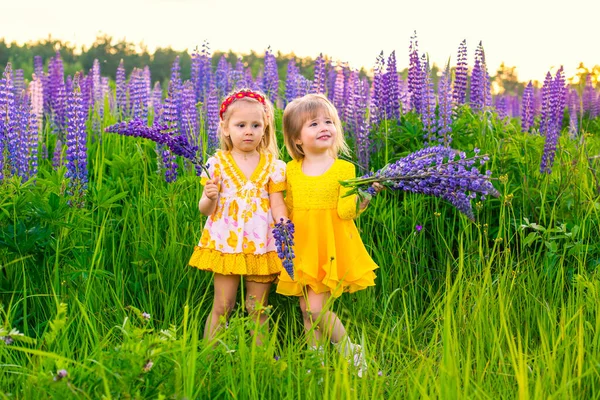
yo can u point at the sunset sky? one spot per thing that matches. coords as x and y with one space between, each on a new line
529 34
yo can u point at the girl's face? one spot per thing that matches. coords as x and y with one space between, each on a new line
245 126
318 134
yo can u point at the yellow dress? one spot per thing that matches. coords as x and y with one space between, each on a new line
329 253
237 238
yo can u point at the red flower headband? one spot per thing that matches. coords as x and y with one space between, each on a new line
239 95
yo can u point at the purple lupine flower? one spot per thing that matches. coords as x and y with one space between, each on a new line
377 106
237 75
77 173
361 124
404 94
444 121
528 108
428 107
156 98
338 90
201 71
573 113
189 114
36 96
291 81
138 95
438 171
222 76
57 92
283 233
57 155
415 76
460 79
304 86
348 109
588 97
270 83
501 106
60 374
121 88
392 103
318 84
212 121
9 121
480 95
553 119
161 134
170 118
18 83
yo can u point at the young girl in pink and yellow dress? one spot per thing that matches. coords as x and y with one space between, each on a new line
241 197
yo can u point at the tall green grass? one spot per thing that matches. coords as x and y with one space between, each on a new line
503 307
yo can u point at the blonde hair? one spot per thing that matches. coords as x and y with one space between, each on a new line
268 143
301 110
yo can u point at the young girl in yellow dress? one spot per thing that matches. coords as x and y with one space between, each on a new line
330 257
241 197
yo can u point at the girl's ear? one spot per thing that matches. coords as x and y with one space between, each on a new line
223 128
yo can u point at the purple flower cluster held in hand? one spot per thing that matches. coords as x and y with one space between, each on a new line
159 133
283 232
438 171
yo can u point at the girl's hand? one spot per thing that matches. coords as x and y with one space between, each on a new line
211 190
378 188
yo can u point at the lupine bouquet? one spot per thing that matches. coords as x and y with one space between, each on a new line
284 240
161 134
438 171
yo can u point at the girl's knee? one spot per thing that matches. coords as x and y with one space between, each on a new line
223 309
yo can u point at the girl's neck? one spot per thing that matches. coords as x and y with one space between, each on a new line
245 155
316 164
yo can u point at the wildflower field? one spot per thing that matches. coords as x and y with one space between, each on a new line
96 229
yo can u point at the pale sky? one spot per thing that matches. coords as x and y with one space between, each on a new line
533 35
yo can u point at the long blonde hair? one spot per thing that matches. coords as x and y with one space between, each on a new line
301 110
268 144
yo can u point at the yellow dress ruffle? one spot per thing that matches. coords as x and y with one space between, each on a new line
329 253
257 265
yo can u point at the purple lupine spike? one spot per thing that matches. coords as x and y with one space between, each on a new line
501 106
33 136
222 76
415 76
428 103
21 164
283 233
212 121
69 84
528 111
201 72
554 113
57 156
392 90
121 89
348 89
330 73
404 95
170 117
97 100
546 113
477 96
377 106
459 92
589 97
237 76
291 81
573 114
156 98
38 66
77 173
18 83
189 114
318 84
338 90
445 99
361 124
437 171
57 92
304 86
270 83
349 105
36 98
9 123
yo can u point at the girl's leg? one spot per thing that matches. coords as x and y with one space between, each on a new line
257 296
223 302
318 320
